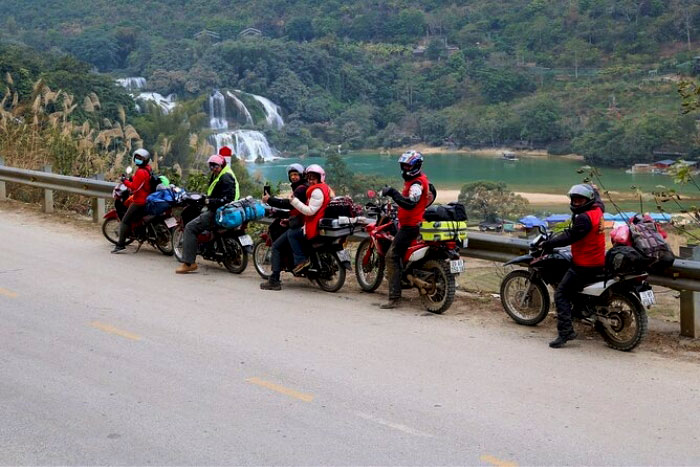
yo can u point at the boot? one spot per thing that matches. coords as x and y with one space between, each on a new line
271 285
391 304
184 268
562 339
118 248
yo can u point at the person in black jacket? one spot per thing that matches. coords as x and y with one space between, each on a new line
223 188
295 173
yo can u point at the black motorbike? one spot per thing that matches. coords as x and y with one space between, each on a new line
229 247
615 305
329 259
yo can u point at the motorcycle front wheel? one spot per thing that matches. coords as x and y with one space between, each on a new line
440 298
627 322
235 256
369 276
176 239
332 273
262 259
110 229
525 301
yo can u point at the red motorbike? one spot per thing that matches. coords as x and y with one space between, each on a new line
156 230
429 266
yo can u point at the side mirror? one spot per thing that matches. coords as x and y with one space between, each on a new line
129 170
542 230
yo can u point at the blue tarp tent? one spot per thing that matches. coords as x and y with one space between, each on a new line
532 221
622 217
557 218
660 216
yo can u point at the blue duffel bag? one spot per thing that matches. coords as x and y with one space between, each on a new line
159 201
233 215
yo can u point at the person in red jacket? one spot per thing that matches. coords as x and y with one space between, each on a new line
140 186
586 235
412 202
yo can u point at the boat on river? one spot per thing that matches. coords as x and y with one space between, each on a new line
509 156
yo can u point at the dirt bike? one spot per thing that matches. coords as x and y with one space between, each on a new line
156 230
229 247
429 266
614 305
329 259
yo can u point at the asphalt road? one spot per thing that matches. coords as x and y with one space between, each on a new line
114 359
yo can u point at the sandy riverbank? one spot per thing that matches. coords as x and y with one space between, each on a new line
445 196
491 152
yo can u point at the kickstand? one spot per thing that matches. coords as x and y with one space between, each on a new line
138 247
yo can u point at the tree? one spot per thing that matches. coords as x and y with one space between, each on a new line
484 199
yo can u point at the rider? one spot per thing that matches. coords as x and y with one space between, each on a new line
223 188
412 202
295 173
586 235
318 195
140 186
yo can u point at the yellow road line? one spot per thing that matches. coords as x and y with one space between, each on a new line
8 293
281 389
497 462
115 331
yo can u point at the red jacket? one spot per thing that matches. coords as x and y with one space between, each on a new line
413 217
140 185
311 222
590 251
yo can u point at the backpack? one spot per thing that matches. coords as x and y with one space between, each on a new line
159 201
153 181
650 243
448 212
341 206
623 259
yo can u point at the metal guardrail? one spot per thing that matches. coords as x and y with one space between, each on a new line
683 276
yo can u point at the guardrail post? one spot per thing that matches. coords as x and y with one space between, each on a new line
48 194
690 301
98 204
3 189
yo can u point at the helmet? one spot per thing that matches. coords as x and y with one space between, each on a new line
217 159
415 160
582 190
141 155
298 168
317 169
225 151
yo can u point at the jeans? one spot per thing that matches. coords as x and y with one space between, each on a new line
279 246
403 239
573 282
132 214
196 226
297 241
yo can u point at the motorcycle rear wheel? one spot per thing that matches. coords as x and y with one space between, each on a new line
262 259
369 277
163 238
235 257
443 293
629 322
332 275
526 309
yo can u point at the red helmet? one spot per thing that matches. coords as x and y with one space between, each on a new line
217 159
225 151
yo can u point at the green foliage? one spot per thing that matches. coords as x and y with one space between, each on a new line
484 199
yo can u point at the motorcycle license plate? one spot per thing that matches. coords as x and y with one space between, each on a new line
343 256
456 266
648 298
170 222
245 240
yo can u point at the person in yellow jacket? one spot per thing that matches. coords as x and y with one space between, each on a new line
223 188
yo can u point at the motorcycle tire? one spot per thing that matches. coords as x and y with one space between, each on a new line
110 229
176 238
330 263
624 310
370 277
236 257
443 294
526 310
262 259
163 238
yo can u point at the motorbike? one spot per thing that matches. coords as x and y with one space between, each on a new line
229 247
329 258
429 266
614 305
156 230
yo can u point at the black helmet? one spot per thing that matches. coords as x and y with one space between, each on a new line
585 191
143 156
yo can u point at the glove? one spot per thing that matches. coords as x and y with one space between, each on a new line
387 190
122 178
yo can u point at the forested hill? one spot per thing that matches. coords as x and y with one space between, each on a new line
594 76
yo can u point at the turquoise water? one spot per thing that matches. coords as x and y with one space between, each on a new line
451 171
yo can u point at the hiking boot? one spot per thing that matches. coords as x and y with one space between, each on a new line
271 285
118 248
301 266
391 304
184 268
562 339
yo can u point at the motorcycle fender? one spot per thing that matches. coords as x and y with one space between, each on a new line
111 215
524 260
598 288
418 254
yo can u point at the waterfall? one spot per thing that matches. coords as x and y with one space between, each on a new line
165 103
217 111
131 83
241 108
248 145
272 111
